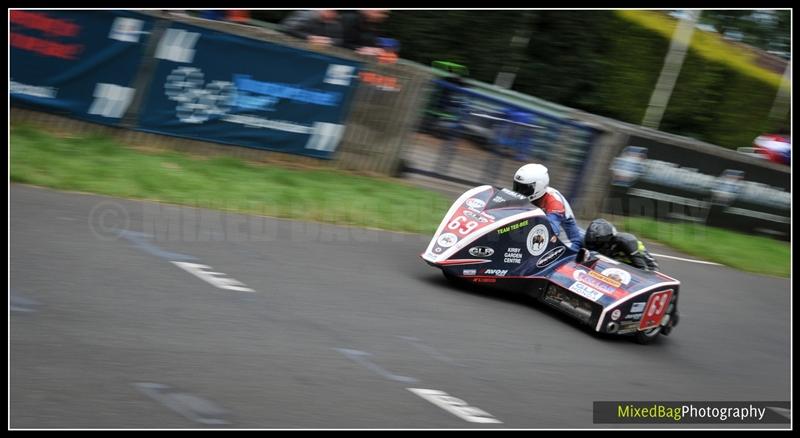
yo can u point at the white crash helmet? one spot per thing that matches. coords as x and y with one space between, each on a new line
532 181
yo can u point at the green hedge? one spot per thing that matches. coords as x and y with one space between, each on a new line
721 95
604 62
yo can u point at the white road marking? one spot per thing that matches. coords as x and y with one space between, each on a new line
190 406
455 406
702 262
216 279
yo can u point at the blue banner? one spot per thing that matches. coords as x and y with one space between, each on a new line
77 63
218 87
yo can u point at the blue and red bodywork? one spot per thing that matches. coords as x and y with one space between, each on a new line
496 237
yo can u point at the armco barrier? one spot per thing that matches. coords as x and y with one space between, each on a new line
644 172
216 82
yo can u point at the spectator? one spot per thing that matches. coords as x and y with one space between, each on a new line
320 27
360 30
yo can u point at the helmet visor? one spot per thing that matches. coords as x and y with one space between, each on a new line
523 189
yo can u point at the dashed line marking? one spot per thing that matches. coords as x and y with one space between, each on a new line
194 408
216 279
455 406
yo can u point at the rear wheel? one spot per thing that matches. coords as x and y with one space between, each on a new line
647 336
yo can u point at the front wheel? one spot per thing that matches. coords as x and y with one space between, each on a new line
449 276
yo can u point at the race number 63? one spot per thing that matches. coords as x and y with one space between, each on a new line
655 309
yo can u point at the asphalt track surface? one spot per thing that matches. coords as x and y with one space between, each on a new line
107 332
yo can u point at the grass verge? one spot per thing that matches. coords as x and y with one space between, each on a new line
98 164
738 250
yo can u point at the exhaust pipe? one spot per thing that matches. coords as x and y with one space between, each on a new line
612 327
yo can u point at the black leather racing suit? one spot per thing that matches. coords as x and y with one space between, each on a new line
626 248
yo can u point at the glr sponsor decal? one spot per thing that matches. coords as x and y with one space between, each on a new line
470 271
586 291
537 239
481 251
447 240
550 257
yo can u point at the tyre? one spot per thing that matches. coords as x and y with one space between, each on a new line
648 336
450 277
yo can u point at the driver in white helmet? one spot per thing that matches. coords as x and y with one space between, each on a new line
533 181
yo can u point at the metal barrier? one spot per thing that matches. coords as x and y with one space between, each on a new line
483 140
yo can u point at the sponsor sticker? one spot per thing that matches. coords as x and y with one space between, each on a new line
617 274
481 251
496 272
513 255
633 316
447 240
583 277
513 227
616 314
586 291
550 257
538 239
637 307
513 194
605 279
475 204
470 271
472 215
